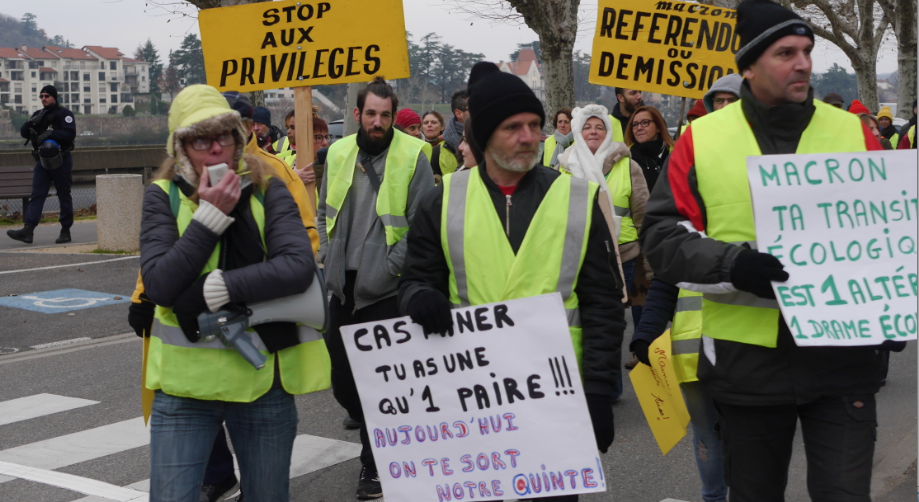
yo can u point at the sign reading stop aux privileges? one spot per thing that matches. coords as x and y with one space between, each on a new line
272 45
674 48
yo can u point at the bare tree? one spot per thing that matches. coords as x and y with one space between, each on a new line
556 24
903 13
857 27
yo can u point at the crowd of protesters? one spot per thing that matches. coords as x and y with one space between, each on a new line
262 231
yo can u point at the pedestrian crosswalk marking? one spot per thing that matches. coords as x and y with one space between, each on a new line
38 405
79 447
88 486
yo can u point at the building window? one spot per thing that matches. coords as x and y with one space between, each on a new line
113 87
102 64
143 78
101 75
52 64
113 65
101 88
75 75
86 77
114 98
86 88
34 88
33 74
102 100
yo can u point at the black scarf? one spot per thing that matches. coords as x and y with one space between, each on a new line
888 132
651 156
777 128
374 148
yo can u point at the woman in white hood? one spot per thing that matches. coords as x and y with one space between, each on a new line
596 157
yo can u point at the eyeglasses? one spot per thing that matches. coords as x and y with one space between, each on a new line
201 144
320 137
641 124
723 101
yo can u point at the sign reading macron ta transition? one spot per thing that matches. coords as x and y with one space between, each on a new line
273 45
674 48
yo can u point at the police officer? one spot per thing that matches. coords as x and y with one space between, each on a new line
51 131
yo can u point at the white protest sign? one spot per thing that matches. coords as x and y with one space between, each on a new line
844 225
494 412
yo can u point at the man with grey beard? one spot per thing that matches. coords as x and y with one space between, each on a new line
542 218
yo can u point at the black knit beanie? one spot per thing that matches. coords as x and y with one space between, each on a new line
239 102
762 22
493 97
50 90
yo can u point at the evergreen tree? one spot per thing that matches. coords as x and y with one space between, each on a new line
189 61
147 52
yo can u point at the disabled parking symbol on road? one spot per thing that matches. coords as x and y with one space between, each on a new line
62 300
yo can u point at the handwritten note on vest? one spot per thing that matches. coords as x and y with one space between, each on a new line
493 411
659 394
844 226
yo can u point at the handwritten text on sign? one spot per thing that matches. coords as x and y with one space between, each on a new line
289 44
494 411
844 226
675 48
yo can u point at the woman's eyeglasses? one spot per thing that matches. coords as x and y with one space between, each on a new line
201 144
641 124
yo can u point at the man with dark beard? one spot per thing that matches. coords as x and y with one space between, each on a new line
629 100
371 187
542 217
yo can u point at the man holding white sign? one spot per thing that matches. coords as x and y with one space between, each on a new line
510 228
699 234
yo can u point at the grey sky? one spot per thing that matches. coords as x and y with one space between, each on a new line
125 23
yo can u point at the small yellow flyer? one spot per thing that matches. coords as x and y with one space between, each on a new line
659 394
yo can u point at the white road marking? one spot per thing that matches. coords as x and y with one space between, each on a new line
59 343
70 265
26 408
79 447
74 483
310 454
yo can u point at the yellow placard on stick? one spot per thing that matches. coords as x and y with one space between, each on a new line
675 48
659 395
272 45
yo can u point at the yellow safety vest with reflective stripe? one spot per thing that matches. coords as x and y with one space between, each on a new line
912 137
722 142
447 160
281 145
685 334
397 175
617 129
619 183
895 140
482 263
213 372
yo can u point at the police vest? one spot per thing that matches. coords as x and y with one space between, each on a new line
619 183
685 334
393 195
618 135
722 141
213 372
482 263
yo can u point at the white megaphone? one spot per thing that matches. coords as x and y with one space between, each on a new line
310 309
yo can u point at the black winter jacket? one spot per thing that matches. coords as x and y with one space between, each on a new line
598 288
63 128
170 265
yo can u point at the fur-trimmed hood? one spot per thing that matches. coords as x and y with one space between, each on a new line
200 110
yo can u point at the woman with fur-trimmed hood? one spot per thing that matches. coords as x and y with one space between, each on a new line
204 249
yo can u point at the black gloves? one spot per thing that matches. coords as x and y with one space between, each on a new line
140 316
752 272
432 311
640 348
601 414
188 306
36 120
45 136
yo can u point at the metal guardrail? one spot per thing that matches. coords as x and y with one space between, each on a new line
93 161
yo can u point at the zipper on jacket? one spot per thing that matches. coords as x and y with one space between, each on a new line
507 217
614 270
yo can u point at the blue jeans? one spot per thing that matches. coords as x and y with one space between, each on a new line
707 446
628 270
182 434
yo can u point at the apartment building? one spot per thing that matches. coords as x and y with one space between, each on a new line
528 69
91 80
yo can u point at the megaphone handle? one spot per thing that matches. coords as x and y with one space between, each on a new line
235 334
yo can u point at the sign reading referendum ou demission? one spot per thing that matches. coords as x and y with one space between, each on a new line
674 48
493 411
844 225
273 45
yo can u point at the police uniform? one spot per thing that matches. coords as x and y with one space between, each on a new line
54 123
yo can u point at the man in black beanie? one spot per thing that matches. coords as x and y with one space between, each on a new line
698 232
51 131
528 200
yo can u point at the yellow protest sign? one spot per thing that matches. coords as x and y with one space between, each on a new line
675 48
659 395
293 43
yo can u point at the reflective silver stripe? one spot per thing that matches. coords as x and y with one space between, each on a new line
330 212
574 317
689 304
456 223
574 236
622 211
394 221
742 299
308 334
690 346
174 336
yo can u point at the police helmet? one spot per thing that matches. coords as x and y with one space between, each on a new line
49 153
